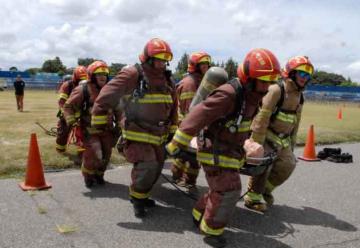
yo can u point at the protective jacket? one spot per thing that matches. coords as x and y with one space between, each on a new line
276 126
279 124
185 92
221 146
149 110
149 105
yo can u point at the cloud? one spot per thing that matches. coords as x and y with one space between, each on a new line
117 30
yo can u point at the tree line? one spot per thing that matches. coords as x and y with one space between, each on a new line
56 66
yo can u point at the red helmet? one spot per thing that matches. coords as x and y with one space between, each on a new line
298 63
156 48
260 64
79 74
197 58
97 67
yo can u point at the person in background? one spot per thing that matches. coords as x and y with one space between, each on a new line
185 173
63 130
19 86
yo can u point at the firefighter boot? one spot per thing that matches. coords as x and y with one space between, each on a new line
148 203
268 198
139 207
100 179
216 241
253 201
89 181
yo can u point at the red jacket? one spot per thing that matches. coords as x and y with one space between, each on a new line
148 119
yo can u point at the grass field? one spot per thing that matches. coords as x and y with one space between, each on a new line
41 106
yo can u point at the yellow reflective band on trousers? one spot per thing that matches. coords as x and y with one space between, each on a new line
173 128
60 147
98 119
188 170
196 214
144 137
269 187
254 197
288 118
224 161
283 142
155 98
178 163
138 195
182 137
244 127
181 116
70 119
186 95
206 229
63 96
87 171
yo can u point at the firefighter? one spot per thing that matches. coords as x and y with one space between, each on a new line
149 115
220 150
63 130
97 143
185 172
275 127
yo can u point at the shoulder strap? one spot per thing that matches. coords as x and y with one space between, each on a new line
142 86
239 94
86 101
281 100
302 99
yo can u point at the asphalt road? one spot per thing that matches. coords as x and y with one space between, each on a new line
319 206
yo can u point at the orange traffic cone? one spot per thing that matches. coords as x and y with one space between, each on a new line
309 150
34 171
339 116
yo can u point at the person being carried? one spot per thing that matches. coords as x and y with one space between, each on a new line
275 127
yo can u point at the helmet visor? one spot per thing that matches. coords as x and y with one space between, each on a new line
163 56
305 68
102 70
205 59
269 78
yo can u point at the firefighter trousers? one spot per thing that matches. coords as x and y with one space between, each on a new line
97 153
20 102
62 135
276 174
185 170
214 209
148 161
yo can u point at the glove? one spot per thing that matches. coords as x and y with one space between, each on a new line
172 148
253 150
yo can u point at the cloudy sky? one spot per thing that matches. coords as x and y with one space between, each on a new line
32 31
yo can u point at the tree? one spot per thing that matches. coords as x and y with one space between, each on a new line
13 68
85 61
181 67
115 68
325 78
231 68
33 71
53 66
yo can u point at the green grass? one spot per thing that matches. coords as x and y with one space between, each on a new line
16 127
328 129
41 106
